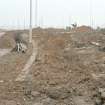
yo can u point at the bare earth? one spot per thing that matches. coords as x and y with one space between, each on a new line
68 69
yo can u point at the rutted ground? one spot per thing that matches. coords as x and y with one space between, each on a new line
24 73
68 70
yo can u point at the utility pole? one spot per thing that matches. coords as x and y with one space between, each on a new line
41 22
36 12
24 24
30 32
91 14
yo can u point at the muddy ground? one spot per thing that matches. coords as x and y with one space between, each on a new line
69 70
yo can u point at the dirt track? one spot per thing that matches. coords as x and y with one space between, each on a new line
24 73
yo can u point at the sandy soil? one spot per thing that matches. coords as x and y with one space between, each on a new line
68 70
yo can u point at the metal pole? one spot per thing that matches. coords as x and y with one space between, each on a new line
24 23
36 13
30 33
91 14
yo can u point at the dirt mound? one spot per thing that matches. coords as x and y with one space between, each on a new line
7 40
83 29
62 66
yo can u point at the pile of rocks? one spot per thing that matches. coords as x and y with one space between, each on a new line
21 42
99 98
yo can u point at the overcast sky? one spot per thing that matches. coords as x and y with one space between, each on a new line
53 13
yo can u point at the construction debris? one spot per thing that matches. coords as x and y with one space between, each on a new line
20 47
21 43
